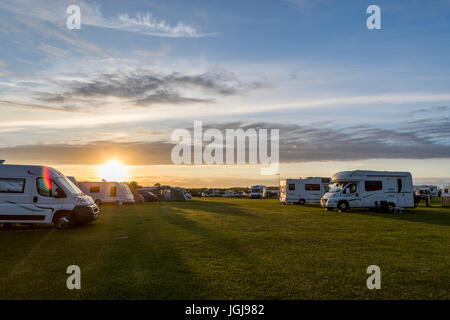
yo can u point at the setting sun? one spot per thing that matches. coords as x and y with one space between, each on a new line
113 171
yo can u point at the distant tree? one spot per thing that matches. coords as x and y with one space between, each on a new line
157 184
134 186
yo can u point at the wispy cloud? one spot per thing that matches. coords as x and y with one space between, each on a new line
146 23
142 22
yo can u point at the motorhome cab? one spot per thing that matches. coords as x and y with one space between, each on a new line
302 191
108 192
370 189
39 194
258 192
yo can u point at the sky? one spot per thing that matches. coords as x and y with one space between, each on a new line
343 97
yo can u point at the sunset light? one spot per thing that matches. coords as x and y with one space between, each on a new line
113 171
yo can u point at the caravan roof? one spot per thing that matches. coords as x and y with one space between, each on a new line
359 174
17 169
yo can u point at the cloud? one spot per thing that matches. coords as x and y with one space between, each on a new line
146 23
15 104
145 87
52 50
324 142
430 109
143 22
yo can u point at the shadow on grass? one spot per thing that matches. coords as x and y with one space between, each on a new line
217 207
431 215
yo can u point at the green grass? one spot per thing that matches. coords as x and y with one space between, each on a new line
232 249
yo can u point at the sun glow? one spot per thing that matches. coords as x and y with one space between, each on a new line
113 171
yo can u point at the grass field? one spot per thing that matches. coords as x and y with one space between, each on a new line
232 249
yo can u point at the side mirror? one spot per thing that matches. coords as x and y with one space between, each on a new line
59 194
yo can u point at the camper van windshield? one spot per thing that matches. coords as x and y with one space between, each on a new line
69 186
256 189
337 187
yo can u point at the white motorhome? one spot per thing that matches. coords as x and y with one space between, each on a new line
107 192
301 191
370 189
42 195
258 192
434 191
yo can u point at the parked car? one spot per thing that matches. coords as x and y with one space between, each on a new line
148 196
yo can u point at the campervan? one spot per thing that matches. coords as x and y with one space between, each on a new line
42 195
107 192
301 191
434 191
370 189
212 193
258 192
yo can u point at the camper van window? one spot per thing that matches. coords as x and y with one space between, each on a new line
48 188
69 185
326 188
399 185
312 187
373 185
12 185
291 186
113 191
337 187
351 188
94 189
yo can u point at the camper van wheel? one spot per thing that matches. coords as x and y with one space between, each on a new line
301 202
343 206
64 220
98 202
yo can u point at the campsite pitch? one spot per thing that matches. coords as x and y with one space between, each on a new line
232 249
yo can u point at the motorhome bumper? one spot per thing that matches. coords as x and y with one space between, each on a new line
328 203
86 213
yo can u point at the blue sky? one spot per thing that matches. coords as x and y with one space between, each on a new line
138 69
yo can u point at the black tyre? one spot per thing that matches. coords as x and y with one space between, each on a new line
301 202
343 206
98 202
64 220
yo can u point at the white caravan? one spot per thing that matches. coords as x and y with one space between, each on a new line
108 192
302 191
39 194
258 192
370 189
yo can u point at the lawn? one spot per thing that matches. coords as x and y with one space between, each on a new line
232 249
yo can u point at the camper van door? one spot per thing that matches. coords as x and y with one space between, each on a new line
47 192
352 194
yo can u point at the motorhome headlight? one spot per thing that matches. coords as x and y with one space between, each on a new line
83 201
